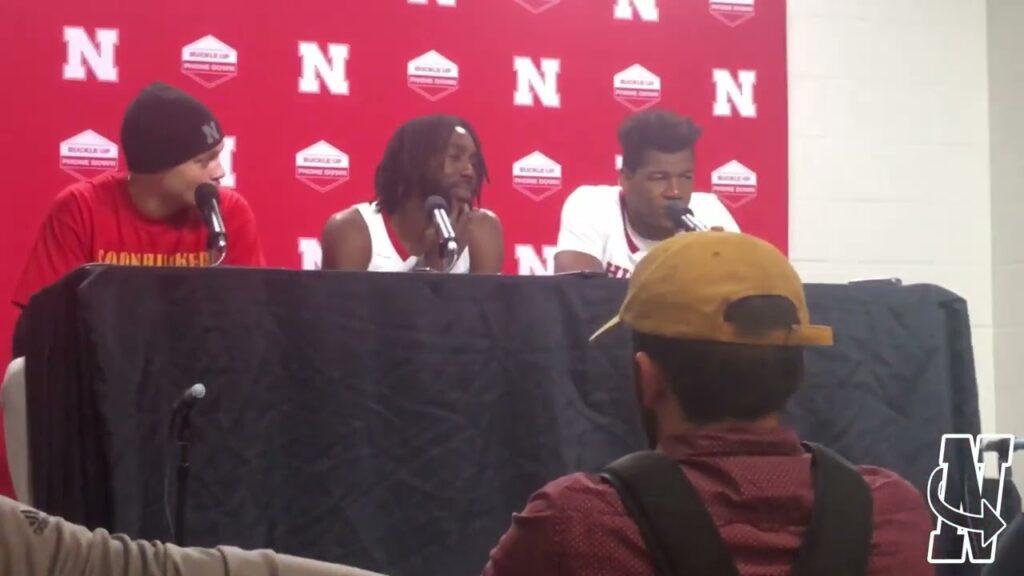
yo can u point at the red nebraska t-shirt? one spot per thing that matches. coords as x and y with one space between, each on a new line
95 222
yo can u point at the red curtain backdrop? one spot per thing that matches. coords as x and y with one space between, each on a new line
310 91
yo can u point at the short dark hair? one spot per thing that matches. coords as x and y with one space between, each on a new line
658 130
410 155
718 381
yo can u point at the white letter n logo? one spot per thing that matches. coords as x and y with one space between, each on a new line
648 10
332 69
738 93
99 55
966 518
543 83
211 132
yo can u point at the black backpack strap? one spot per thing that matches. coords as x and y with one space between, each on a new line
680 534
682 537
838 539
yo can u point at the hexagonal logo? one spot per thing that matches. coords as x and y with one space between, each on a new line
537 6
322 167
637 88
732 12
734 183
433 76
537 176
88 154
209 61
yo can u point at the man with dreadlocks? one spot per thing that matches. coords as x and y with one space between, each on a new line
431 155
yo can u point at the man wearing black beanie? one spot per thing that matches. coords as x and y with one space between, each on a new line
147 216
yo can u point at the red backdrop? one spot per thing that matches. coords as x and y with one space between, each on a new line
310 91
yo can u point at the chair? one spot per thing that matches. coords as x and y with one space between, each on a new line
1009 560
12 397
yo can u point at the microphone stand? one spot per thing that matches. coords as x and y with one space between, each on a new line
183 437
181 431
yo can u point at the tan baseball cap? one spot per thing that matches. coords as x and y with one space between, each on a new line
683 286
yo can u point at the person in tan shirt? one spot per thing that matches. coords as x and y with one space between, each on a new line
35 544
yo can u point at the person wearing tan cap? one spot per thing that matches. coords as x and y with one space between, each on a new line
35 544
719 323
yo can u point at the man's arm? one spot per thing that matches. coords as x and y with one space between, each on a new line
346 242
579 240
710 211
36 544
61 245
486 243
531 546
574 525
573 261
902 526
244 248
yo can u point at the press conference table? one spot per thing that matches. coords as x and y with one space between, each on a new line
395 421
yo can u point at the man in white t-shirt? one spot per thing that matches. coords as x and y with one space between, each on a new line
611 228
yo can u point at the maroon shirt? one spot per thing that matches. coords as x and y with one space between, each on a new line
758 487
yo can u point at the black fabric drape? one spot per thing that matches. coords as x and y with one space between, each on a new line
66 432
395 421
901 374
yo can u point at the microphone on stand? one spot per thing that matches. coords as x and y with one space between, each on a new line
448 246
182 435
189 398
682 217
208 202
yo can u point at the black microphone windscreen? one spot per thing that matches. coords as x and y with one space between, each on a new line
206 194
676 209
435 203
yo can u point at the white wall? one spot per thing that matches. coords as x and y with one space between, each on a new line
1006 124
889 152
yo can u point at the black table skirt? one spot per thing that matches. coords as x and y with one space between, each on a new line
395 421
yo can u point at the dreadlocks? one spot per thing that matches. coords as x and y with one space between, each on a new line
411 158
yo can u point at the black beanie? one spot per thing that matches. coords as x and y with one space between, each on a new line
164 127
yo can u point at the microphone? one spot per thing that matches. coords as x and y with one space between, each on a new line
437 207
208 202
682 217
189 397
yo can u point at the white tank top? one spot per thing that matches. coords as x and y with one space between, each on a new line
387 253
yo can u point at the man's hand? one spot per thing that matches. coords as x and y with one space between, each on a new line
460 220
